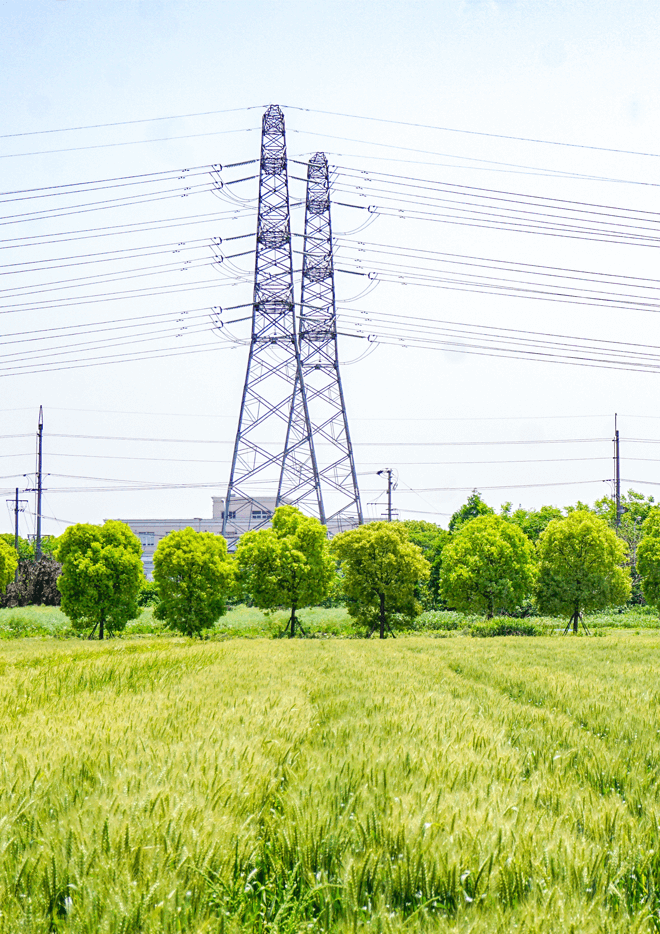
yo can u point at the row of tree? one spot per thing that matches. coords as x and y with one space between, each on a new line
385 573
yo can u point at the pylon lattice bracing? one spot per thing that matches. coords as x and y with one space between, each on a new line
325 472
274 361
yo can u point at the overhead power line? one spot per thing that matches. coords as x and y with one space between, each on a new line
132 142
446 129
99 126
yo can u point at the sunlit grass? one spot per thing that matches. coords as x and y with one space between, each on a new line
467 785
249 622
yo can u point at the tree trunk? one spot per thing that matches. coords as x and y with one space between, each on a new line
292 622
101 626
382 615
576 618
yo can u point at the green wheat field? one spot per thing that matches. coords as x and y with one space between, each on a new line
155 784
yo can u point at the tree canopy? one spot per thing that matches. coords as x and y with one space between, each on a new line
382 569
101 575
487 566
533 521
424 534
193 575
288 565
648 557
26 548
474 507
580 560
635 507
8 564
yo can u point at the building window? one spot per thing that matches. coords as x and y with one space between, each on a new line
230 515
261 514
146 539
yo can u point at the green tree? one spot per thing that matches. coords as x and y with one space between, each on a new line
427 535
26 547
101 576
422 533
648 557
288 565
487 566
635 507
382 569
8 564
474 507
434 557
193 575
533 522
580 560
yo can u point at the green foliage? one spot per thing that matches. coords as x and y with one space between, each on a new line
474 507
434 557
648 557
580 560
487 566
382 569
101 576
8 564
288 565
635 507
578 507
148 594
193 575
428 536
505 627
534 522
421 533
26 548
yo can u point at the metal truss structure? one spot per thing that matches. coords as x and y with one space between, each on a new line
274 366
326 474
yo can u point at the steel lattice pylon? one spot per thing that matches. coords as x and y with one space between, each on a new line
273 368
318 398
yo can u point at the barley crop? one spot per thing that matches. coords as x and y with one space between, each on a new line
463 785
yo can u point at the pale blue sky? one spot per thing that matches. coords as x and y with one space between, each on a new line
573 72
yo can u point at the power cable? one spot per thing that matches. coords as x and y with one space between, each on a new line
445 129
133 142
100 126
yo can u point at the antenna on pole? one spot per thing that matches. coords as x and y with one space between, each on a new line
274 361
617 474
40 440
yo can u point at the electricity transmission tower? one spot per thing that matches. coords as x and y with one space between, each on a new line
274 362
318 409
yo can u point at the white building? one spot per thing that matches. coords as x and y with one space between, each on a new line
244 514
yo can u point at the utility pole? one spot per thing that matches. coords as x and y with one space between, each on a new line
617 474
40 440
18 506
388 471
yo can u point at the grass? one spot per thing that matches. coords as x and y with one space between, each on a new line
319 622
423 784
